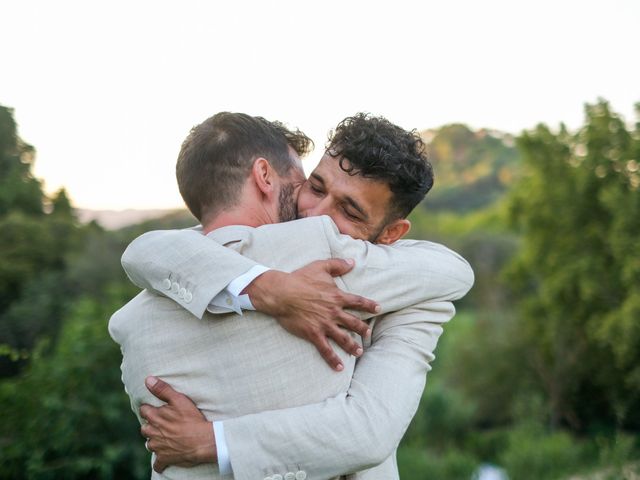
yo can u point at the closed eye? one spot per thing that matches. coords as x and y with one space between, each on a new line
350 215
316 190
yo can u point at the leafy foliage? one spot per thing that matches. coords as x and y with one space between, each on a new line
34 247
19 190
543 379
578 272
65 416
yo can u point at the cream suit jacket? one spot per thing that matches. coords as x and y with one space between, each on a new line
272 369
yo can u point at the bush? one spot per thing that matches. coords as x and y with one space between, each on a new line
67 415
417 464
533 454
443 419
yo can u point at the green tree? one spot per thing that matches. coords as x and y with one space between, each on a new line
66 415
578 272
19 190
34 248
61 205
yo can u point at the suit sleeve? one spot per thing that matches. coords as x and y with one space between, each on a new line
183 265
354 431
400 275
192 269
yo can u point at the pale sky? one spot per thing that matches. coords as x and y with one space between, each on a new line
107 90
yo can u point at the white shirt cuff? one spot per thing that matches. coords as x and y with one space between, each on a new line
224 462
225 301
240 283
230 299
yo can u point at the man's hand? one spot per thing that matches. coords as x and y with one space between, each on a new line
308 304
178 433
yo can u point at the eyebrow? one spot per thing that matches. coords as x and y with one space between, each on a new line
346 198
317 177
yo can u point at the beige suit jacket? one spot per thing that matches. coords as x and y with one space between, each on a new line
234 366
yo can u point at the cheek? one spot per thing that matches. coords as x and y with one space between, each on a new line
306 201
311 205
346 227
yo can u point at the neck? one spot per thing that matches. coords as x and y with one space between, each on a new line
249 216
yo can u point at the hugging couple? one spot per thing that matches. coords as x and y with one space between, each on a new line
288 337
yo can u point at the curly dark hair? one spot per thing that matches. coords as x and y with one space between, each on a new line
376 148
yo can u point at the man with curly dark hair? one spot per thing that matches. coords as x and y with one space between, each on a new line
383 174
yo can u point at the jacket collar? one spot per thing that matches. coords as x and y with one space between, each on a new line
230 234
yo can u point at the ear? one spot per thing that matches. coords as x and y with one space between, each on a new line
394 231
263 176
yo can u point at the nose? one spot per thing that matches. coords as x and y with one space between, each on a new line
323 207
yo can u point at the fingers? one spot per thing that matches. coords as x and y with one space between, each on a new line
337 266
356 302
147 430
162 390
327 352
345 341
149 413
159 466
151 444
353 323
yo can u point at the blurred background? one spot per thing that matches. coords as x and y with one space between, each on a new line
531 116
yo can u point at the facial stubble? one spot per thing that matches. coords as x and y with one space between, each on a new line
287 207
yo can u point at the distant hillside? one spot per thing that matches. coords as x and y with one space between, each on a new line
174 219
115 219
472 169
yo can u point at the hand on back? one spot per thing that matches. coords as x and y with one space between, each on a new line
177 432
309 305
